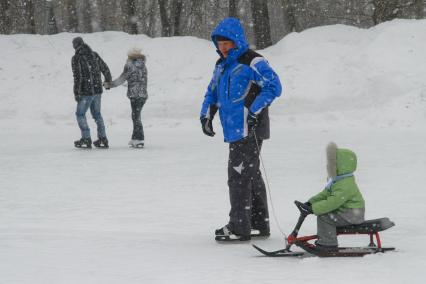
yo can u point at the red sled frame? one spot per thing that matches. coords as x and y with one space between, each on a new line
291 239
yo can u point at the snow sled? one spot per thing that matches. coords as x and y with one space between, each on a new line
369 227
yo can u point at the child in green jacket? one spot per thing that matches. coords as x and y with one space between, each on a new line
341 202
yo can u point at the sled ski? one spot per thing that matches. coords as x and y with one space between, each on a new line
341 251
311 249
279 253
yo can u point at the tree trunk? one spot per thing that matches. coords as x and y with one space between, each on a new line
288 16
197 17
51 20
20 16
385 10
420 6
95 16
165 20
31 16
177 9
132 17
152 17
232 10
71 12
262 28
83 15
4 17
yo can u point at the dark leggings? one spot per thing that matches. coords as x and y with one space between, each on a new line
137 104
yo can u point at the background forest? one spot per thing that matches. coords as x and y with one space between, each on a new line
266 22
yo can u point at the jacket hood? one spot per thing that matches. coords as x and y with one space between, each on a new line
137 56
135 53
84 49
231 28
340 161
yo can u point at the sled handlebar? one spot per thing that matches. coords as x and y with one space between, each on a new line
292 237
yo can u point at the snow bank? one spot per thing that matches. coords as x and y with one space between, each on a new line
354 76
332 76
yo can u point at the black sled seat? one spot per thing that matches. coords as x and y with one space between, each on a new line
368 227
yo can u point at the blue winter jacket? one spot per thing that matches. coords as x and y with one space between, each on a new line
241 82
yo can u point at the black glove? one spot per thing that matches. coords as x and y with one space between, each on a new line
77 98
251 122
207 126
304 208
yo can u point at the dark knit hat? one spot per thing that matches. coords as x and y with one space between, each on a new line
222 38
77 42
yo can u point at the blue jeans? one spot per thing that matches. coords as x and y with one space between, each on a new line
94 103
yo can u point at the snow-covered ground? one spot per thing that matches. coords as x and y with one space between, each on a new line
148 215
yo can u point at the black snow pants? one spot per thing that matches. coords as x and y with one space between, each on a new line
137 104
247 192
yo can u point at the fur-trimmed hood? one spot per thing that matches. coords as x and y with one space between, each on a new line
340 161
136 53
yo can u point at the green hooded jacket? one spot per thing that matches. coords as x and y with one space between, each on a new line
343 193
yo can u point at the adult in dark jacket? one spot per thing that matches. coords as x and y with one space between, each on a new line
136 75
87 67
242 88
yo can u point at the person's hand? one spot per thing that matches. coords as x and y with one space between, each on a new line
304 208
77 98
107 85
251 122
207 126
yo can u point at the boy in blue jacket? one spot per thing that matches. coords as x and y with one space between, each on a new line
242 88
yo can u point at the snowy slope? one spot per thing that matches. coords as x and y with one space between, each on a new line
148 216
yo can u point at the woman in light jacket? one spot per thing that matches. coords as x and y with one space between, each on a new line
136 75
